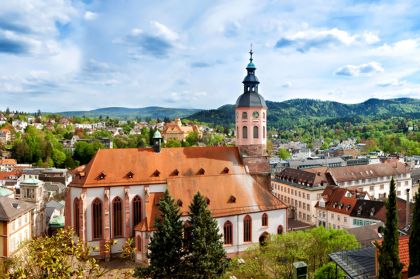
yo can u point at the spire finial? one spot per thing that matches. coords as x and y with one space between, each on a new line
250 53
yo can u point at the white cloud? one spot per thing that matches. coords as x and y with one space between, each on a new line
90 15
370 38
164 31
392 83
313 38
357 70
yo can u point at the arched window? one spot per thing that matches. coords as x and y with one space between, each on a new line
264 220
136 204
76 216
247 228
244 115
187 230
255 132
263 115
139 243
280 229
97 219
117 223
245 132
227 233
263 132
237 131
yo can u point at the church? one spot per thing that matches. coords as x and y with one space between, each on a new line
116 195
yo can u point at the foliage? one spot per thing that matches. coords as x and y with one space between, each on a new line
58 256
166 245
414 267
206 257
329 271
283 154
192 139
128 250
389 261
173 143
276 258
84 151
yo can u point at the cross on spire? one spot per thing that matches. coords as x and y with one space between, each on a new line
250 53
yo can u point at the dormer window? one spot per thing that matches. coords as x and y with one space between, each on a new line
101 176
156 173
201 171
207 201
322 203
175 172
232 199
130 174
226 170
179 203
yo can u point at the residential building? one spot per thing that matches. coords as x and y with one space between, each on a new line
15 224
330 162
373 179
7 165
175 130
32 190
5 136
300 190
343 208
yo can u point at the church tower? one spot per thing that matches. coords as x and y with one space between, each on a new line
251 127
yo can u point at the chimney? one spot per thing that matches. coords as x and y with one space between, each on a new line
407 209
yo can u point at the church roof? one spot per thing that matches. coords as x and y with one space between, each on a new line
151 167
250 99
227 195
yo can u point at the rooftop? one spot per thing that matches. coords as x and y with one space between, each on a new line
133 166
11 209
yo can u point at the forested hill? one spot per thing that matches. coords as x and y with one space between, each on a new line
289 113
133 113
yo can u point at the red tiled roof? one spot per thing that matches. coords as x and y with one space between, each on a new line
115 164
350 173
401 211
337 201
403 251
248 195
8 162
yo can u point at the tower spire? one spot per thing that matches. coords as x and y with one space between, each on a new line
250 53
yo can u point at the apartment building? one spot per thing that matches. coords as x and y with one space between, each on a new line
374 179
300 190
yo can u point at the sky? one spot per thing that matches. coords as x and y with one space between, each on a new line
58 55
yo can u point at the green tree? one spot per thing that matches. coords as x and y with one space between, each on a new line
414 267
166 246
192 139
389 262
283 154
206 257
173 143
275 259
329 271
58 256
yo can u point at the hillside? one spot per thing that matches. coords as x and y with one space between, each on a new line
133 113
297 111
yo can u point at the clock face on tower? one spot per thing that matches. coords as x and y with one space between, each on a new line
255 114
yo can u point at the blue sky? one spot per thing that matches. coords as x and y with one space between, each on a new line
60 55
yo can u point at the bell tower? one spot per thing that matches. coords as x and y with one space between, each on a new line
251 116
251 127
